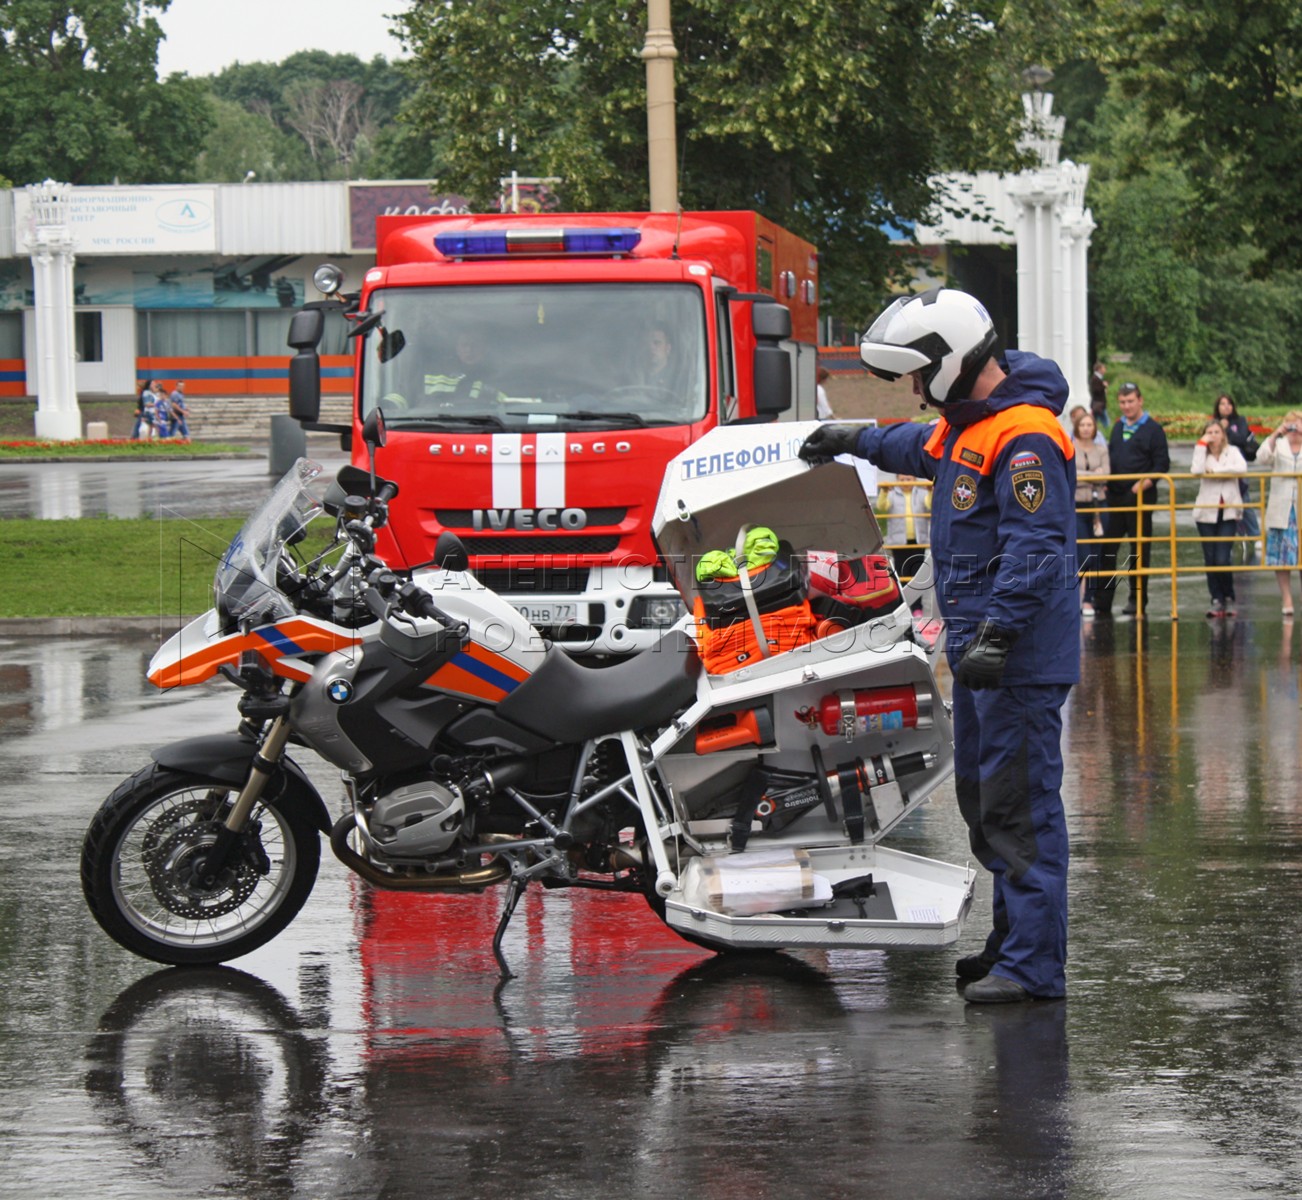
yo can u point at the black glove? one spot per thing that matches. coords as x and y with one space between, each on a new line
827 441
984 659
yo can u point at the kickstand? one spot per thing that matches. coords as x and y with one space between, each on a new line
515 889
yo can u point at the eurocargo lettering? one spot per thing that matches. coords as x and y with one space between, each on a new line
537 373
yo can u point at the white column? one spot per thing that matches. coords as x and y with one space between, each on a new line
1053 229
51 245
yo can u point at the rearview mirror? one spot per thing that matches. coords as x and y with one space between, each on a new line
771 322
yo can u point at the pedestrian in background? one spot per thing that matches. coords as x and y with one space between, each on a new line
1137 446
1239 433
179 412
823 406
1091 466
1099 395
1282 453
1075 412
142 428
1216 511
907 509
162 409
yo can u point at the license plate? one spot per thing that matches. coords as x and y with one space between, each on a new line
549 614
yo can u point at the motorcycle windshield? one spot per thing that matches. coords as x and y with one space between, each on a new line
247 583
536 357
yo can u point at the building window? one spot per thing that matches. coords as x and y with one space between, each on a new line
89 330
11 335
192 333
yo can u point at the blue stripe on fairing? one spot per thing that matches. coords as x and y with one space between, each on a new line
286 645
485 672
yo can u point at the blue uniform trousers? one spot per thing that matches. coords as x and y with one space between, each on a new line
1008 776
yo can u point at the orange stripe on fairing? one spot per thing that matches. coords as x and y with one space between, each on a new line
451 678
309 636
200 665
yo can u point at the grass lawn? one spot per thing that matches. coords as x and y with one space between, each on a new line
110 566
32 450
119 567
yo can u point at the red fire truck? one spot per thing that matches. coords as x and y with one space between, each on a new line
537 372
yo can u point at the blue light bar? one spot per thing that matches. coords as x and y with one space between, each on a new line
532 243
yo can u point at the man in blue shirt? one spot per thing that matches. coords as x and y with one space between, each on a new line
1137 447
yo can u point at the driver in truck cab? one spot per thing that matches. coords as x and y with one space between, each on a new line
469 378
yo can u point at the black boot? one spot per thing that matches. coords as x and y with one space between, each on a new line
995 989
976 966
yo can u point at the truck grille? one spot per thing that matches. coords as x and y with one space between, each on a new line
559 581
528 544
464 518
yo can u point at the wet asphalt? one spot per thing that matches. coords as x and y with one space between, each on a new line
369 1051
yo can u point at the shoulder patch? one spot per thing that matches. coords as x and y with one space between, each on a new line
964 494
1029 488
968 455
1020 462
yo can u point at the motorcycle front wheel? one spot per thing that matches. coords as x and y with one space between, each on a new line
138 876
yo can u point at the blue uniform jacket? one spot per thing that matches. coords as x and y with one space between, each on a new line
1003 516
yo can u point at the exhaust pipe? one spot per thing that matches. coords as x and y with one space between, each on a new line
497 871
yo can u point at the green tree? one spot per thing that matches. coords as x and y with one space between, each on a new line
240 141
1191 309
79 96
829 116
1229 74
338 109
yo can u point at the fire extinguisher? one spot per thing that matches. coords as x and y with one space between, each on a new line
875 710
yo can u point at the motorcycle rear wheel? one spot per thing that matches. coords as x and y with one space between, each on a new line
136 870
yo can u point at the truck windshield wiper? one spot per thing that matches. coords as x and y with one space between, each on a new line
446 419
618 418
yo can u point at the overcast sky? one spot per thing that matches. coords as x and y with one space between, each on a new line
203 36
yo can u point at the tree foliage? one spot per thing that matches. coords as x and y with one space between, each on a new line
79 96
1192 309
1229 74
334 112
829 116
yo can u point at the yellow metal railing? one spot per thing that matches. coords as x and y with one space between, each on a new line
1171 538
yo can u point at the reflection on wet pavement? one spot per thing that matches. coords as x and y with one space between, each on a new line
193 488
369 1051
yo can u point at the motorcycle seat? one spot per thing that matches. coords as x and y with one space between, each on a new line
570 703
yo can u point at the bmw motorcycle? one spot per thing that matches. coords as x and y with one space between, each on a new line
746 803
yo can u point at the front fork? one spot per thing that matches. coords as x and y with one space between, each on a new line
265 763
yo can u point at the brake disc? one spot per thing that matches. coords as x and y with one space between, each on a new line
170 850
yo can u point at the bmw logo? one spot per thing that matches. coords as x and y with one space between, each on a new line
340 691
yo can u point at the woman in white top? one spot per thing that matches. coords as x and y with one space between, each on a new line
1282 452
1217 510
1091 466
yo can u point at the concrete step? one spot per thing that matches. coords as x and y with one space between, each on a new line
243 418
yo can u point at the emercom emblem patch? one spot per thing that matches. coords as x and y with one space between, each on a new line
1028 487
964 494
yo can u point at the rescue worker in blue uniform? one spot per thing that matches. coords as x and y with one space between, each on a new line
1003 541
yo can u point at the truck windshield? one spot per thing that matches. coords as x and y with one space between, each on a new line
566 356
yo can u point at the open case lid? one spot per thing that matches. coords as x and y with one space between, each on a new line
752 475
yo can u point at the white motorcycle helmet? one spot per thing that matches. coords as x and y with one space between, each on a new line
945 334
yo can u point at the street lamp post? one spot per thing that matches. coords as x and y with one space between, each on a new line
658 52
51 245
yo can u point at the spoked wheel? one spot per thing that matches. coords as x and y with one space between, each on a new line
138 870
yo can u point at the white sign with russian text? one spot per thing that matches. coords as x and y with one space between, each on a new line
171 220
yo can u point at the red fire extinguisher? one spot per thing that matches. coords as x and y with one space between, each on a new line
875 710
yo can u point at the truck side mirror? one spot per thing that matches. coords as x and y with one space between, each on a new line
305 367
771 322
772 380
